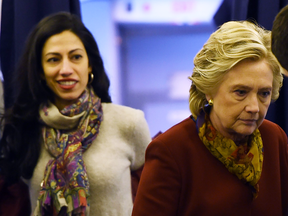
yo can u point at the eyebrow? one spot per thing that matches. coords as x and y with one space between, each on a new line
56 53
248 88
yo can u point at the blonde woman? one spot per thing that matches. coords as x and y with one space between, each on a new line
225 159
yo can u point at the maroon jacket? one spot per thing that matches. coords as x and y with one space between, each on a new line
181 177
14 199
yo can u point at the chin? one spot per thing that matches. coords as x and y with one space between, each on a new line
247 132
71 97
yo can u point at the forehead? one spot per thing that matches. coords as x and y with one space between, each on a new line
250 73
61 40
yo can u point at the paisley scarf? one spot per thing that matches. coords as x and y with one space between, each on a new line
67 134
244 161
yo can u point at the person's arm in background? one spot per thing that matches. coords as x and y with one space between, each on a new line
284 166
136 175
140 139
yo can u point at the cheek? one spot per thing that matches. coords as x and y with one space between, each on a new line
263 110
85 81
229 119
226 115
48 78
87 78
229 115
48 73
227 109
50 85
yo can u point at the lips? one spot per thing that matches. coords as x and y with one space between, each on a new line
67 84
249 121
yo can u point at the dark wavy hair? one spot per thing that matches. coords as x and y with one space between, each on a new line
280 37
20 144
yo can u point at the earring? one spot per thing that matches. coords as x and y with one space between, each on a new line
210 102
91 78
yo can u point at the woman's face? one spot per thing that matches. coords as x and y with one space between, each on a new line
242 99
66 67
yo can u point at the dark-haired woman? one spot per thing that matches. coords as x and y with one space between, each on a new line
63 136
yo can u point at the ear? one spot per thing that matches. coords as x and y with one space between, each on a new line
89 69
208 97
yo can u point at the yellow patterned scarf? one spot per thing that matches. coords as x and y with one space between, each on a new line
244 161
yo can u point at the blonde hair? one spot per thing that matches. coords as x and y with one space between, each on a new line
233 42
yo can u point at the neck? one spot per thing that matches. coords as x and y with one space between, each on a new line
240 140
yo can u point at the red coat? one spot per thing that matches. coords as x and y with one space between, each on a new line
14 199
181 177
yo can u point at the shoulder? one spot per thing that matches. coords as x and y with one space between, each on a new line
180 138
177 146
128 121
120 111
268 128
272 133
180 132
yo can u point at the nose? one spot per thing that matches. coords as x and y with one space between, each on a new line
66 67
252 104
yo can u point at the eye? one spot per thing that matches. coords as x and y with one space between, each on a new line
76 57
265 94
53 59
240 92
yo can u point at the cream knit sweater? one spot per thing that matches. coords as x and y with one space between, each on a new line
119 148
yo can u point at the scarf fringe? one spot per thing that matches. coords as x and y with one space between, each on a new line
76 201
